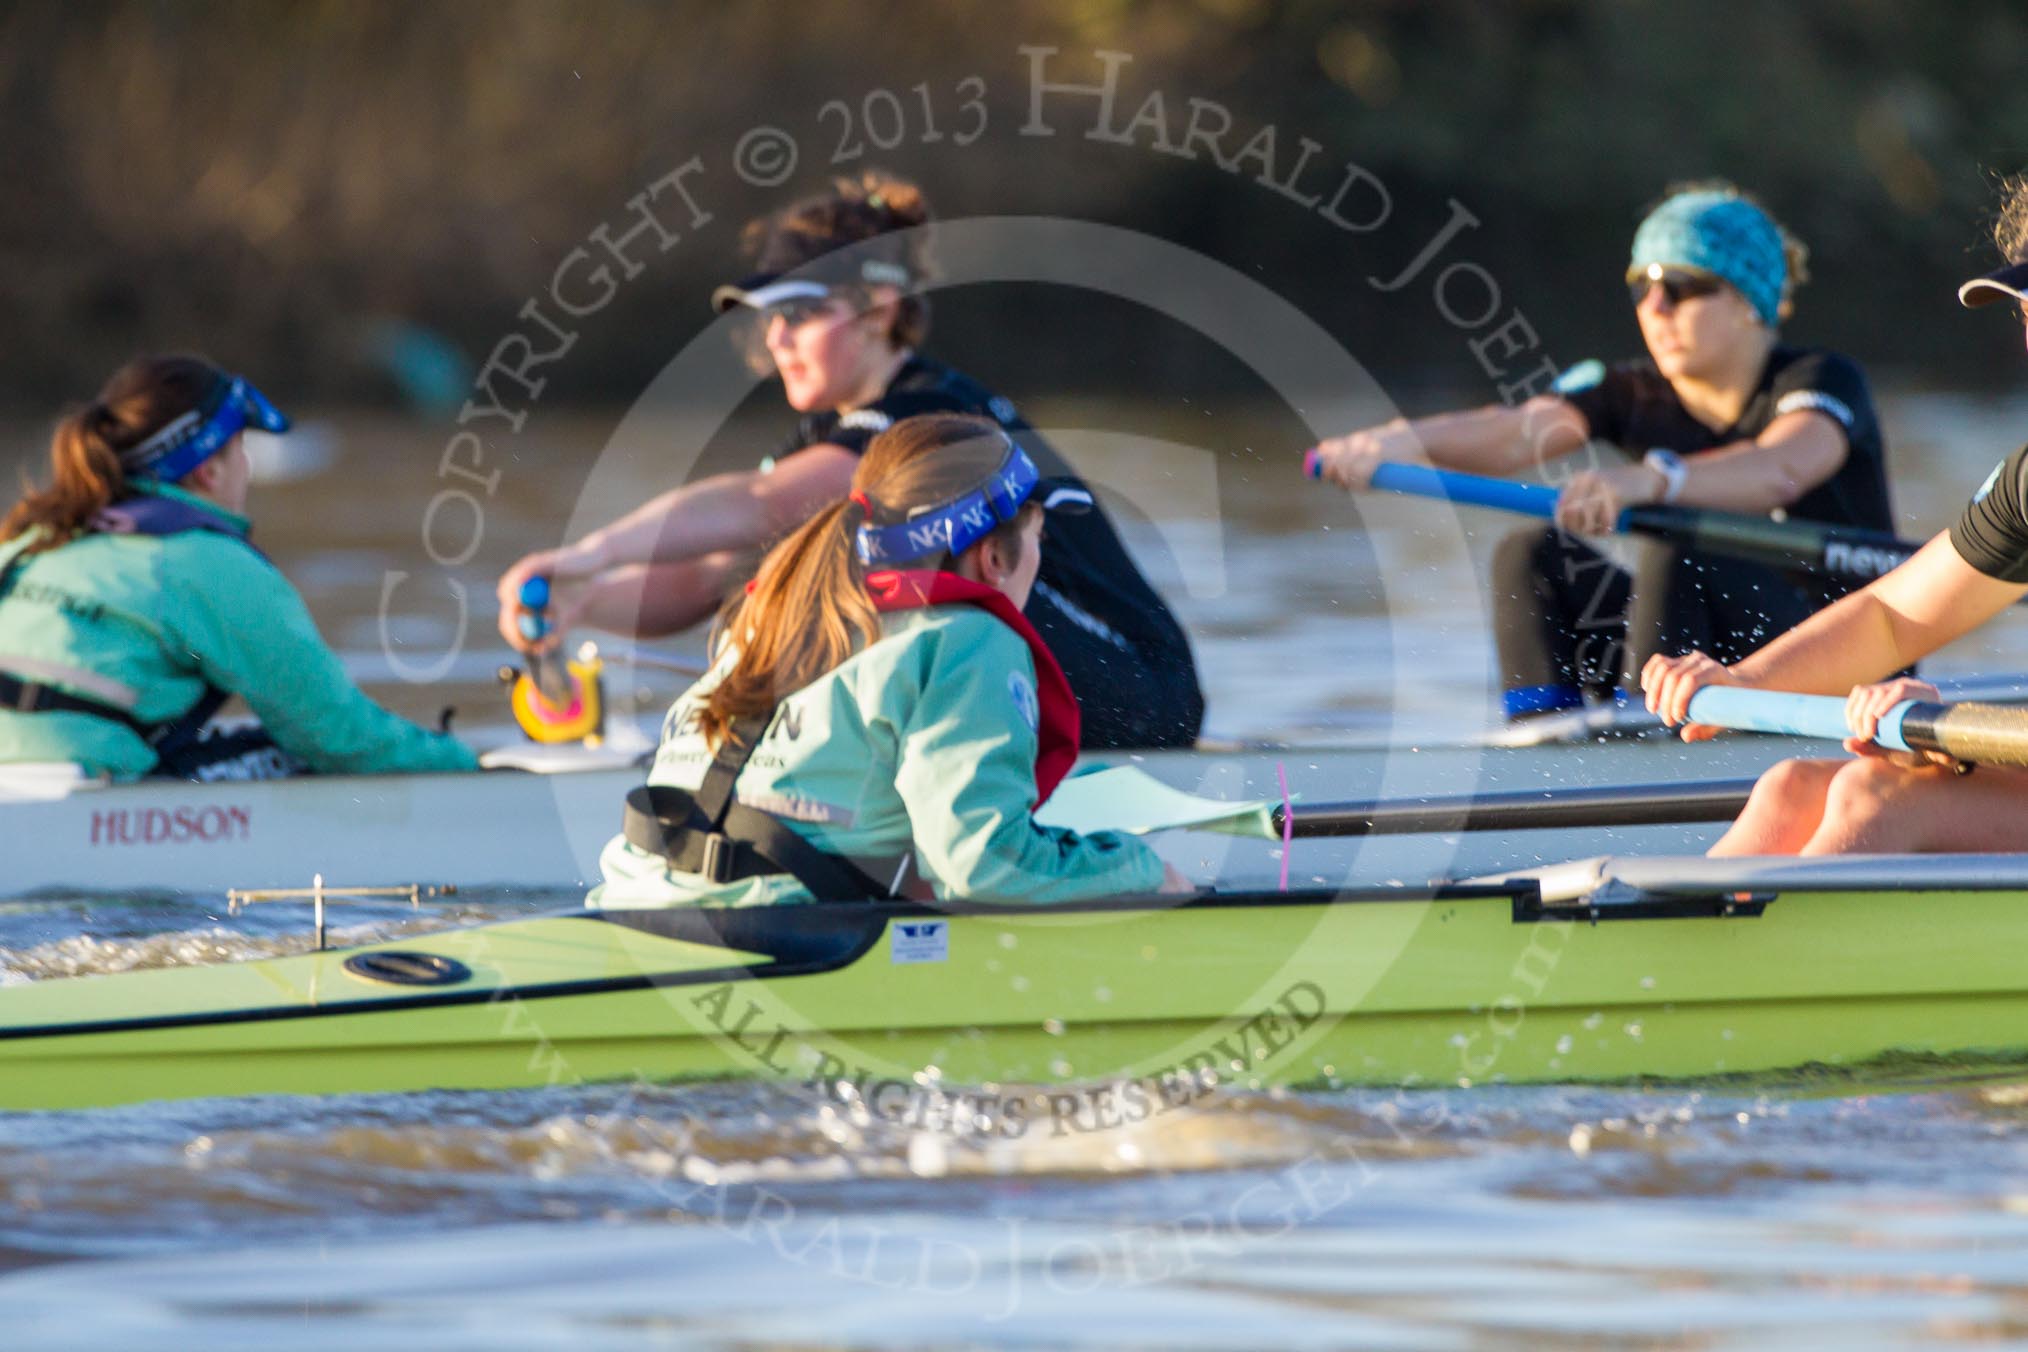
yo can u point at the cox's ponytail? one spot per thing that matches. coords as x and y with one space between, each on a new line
85 475
85 479
808 611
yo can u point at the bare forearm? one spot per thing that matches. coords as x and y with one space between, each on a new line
727 512
657 600
1852 642
1747 476
719 513
1499 439
1893 622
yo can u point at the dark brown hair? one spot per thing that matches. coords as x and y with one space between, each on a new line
808 609
2010 226
144 396
855 210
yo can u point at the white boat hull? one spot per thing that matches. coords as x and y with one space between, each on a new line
497 829
522 830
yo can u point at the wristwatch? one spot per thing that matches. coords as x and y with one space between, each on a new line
1670 466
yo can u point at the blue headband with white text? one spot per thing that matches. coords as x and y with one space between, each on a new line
232 406
955 526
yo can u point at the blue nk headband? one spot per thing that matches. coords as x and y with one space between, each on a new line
955 526
232 406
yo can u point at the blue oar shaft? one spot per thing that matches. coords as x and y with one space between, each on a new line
1473 489
1815 547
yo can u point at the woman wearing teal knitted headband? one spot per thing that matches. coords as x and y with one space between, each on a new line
1879 801
1721 415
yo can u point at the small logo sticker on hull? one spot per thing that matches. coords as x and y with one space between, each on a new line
921 941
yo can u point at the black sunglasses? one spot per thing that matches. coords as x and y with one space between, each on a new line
801 310
1677 285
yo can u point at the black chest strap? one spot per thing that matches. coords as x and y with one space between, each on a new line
33 697
709 834
23 695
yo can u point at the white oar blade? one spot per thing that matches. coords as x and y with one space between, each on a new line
1123 798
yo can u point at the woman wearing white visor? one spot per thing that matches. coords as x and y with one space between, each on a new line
836 290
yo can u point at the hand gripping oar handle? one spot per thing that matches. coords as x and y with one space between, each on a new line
1987 733
558 711
532 619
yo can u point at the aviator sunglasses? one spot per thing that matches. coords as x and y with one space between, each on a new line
1678 284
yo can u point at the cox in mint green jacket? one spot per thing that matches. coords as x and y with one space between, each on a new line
150 621
920 743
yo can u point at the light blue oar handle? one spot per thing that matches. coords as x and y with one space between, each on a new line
1777 711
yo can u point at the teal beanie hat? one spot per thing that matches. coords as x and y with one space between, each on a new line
1723 234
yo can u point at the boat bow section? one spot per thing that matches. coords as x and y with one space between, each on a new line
1612 970
181 1032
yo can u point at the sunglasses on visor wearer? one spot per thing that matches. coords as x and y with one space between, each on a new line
800 310
1678 284
754 325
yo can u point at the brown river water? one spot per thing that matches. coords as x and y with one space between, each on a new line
1807 1212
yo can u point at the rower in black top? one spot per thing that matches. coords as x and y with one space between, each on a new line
1633 407
1677 600
1884 802
1722 416
1126 656
841 315
1992 533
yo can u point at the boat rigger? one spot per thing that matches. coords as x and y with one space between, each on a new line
1606 971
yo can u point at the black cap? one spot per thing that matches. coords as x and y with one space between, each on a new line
2010 282
1063 494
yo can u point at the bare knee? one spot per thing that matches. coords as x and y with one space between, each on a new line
1787 783
1860 804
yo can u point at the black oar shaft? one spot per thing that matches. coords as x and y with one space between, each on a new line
1815 546
1526 810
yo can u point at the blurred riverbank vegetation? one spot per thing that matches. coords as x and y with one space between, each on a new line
277 183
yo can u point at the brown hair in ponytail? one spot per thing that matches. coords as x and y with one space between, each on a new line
143 397
808 609
855 210
2010 226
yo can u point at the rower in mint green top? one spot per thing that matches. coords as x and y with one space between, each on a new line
154 606
917 752
917 744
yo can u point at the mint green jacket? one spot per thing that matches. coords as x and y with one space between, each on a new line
922 743
149 621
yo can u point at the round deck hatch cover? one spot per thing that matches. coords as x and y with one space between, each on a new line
398 968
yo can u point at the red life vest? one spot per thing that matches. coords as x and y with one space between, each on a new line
1059 720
